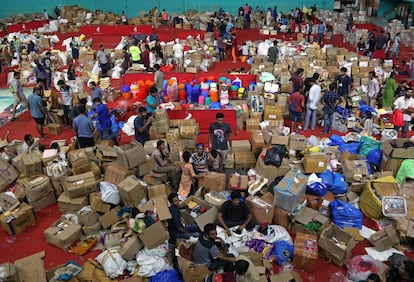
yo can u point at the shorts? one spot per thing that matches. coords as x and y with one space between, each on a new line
296 116
40 121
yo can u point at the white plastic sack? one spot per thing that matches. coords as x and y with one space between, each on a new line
96 69
112 262
109 193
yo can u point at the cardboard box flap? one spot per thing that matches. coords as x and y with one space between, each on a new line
158 205
154 235
32 268
306 215
76 179
107 151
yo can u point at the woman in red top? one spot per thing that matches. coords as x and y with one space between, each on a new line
297 103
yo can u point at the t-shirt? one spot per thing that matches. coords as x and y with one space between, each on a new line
97 93
202 254
82 125
103 116
343 84
314 96
17 87
159 79
35 102
141 137
151 100
297 99
234 213
297 81
135 52
200 164
178 50
103 59
220 135
402 104
66 94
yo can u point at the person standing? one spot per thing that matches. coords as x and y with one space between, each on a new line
135 51
219 138
74 45
321 32
145 57
124 18
312 105
309 29
344 83
389 90
221 46
47 64
103 61
152 103
329 101
37 110
234 48
297 103
395 48
405 104
40 72
297 80
18 96
273 53
142 124
96 91
102 112
373 89
412 69
381 41
71 72
164 16
66 93
159 78
178 50
84 128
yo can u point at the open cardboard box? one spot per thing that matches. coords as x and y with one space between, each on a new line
208 217
306 215
63 233
385 238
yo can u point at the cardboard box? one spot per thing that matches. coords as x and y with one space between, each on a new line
393 154
8 176
214 181
37 188
97 204
18 220
94 229
274 137
238 182
63 233
54 129
8 202
158 191
272 112
241 145
158 205
131 155
146 167
80 185
244 160
31 268
261 210
270 171
290 191
385 238
71 205
106 153
256 139
355 170
8 272
31 164
109 218
132 192
79 161
306 251
115 173
130 246
192 69
307 215
297 142
207 217
329 248
44 202
314 163
154 235
286 276
87 218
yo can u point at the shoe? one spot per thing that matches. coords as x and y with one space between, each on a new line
299 127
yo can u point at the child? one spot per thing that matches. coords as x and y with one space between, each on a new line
187 175
213 161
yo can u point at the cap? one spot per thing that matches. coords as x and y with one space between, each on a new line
200 145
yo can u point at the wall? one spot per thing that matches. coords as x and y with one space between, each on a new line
132 7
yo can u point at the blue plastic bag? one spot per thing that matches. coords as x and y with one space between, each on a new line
352 147
345 215
339 186
327 178
375 157
317 188
169 275
282 251
336 140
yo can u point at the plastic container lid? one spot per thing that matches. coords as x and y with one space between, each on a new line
394 206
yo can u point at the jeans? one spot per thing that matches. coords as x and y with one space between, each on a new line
404 128
192 231
66 111
108 133
310 112
327 122
320 38
394 51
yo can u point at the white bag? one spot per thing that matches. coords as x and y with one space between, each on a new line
112 262
109 193
96 68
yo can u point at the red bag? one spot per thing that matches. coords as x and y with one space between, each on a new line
397 118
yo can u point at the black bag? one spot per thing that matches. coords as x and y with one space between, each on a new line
275 155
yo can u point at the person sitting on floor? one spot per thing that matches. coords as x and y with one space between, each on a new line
29 145
212 251
233 213
200 159
245 270
176 228
164 164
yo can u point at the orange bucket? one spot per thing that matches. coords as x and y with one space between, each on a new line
126 95
213 96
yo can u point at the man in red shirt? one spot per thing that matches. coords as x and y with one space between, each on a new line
297 103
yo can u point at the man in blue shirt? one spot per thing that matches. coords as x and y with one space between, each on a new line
142 125
176 229
84 128
37 110
321 32
96 92
152 100
102 112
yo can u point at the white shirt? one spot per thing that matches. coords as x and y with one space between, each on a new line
402 104
314 96
152 59
373 87
245 50
178 50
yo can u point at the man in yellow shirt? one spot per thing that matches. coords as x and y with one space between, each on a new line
135 51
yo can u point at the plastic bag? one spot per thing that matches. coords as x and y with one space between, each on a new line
336 140
112 262
367 145
374 157
317 188
345 215
282 252
406 169
360 267
352 147
274 156
109 193
397 118
339 186
169 275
